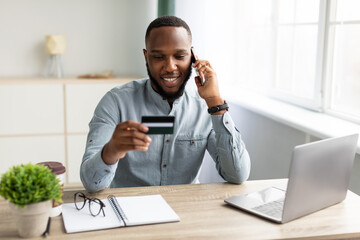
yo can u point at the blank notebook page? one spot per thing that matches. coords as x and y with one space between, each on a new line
80 221
146 210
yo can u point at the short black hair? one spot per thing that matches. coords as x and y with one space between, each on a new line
167 21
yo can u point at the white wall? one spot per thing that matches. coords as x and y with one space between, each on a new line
101 35
212 23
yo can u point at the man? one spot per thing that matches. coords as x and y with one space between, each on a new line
119 153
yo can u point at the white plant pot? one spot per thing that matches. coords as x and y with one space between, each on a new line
31 221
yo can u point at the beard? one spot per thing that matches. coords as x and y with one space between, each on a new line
165 95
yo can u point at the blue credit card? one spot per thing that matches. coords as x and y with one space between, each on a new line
159 124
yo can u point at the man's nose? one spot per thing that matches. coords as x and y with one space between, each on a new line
170 65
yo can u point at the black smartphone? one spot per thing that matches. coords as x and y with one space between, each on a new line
193 60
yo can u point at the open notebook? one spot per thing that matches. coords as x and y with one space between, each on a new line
119 212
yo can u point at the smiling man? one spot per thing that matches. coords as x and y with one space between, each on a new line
119 153
174 74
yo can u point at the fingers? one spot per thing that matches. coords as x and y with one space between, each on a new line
198 81
201 63
205 73
133 137
130 135
203 67
204 70
128 125
128 148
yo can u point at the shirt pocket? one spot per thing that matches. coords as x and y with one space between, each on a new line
190 148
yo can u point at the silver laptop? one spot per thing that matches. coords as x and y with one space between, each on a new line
318 178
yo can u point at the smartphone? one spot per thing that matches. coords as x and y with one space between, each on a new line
193 60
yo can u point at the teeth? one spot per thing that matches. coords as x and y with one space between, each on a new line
169 79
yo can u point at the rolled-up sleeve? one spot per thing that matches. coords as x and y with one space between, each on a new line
228 150
94 173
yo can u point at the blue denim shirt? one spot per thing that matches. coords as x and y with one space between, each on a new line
172 158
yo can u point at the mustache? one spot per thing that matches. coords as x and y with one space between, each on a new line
162 92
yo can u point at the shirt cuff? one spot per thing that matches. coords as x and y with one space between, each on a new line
223 123
101 170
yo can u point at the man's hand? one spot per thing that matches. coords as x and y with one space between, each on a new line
210 90
128 136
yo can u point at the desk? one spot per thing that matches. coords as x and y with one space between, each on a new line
204 215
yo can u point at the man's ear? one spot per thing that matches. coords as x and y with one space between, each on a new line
145 55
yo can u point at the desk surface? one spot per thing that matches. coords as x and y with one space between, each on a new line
204 215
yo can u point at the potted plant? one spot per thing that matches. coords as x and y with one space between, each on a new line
30 189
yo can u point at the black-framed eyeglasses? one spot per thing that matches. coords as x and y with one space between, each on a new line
95 204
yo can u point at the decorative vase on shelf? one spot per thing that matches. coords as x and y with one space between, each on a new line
55 47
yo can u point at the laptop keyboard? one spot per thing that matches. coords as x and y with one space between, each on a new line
273 209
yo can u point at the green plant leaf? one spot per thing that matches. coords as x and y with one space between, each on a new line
30 183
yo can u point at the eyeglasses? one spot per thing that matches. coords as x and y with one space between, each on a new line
95 204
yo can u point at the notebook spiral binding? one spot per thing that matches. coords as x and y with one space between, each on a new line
117 209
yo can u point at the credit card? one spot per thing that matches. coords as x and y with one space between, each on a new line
159 124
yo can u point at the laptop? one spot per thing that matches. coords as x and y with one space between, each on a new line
319 177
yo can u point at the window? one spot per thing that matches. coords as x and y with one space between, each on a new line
343 72
296 26
279 49
254 49
305 52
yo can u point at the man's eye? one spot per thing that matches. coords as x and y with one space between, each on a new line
180 56
158 57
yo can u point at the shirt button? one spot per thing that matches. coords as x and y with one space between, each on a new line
90 140
192 142
234 147
226 122
107 171
167 140
164 166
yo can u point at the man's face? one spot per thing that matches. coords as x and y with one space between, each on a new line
168 60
